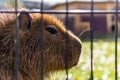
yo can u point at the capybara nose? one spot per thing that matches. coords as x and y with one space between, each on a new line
77 44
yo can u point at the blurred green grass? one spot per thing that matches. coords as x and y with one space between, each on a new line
103 61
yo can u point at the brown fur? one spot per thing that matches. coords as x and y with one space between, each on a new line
29 46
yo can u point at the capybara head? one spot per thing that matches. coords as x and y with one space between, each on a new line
38 34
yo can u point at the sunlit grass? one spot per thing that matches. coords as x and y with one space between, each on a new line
103 62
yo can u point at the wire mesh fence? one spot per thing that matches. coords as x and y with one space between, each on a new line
67 12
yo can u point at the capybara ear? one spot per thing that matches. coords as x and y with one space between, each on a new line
25 20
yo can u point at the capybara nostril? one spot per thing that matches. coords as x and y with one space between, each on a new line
77 45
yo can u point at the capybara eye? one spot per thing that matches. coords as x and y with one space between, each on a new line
52 30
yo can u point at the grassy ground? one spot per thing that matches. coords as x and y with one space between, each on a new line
103 64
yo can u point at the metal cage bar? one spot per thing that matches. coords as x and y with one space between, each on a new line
116 40
66 41
65 11
41 44
16 44
91 38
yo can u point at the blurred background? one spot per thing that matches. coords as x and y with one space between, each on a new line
104 23
103 35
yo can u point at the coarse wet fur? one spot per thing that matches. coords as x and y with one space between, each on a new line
38 34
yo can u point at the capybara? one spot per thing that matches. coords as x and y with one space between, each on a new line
54 47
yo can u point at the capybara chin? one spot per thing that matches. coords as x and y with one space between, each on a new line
54 45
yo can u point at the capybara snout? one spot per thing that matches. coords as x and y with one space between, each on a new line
57 42
74 50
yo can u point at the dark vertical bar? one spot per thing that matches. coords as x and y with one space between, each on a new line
16 43
66 42
91 37
41 44
116 41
